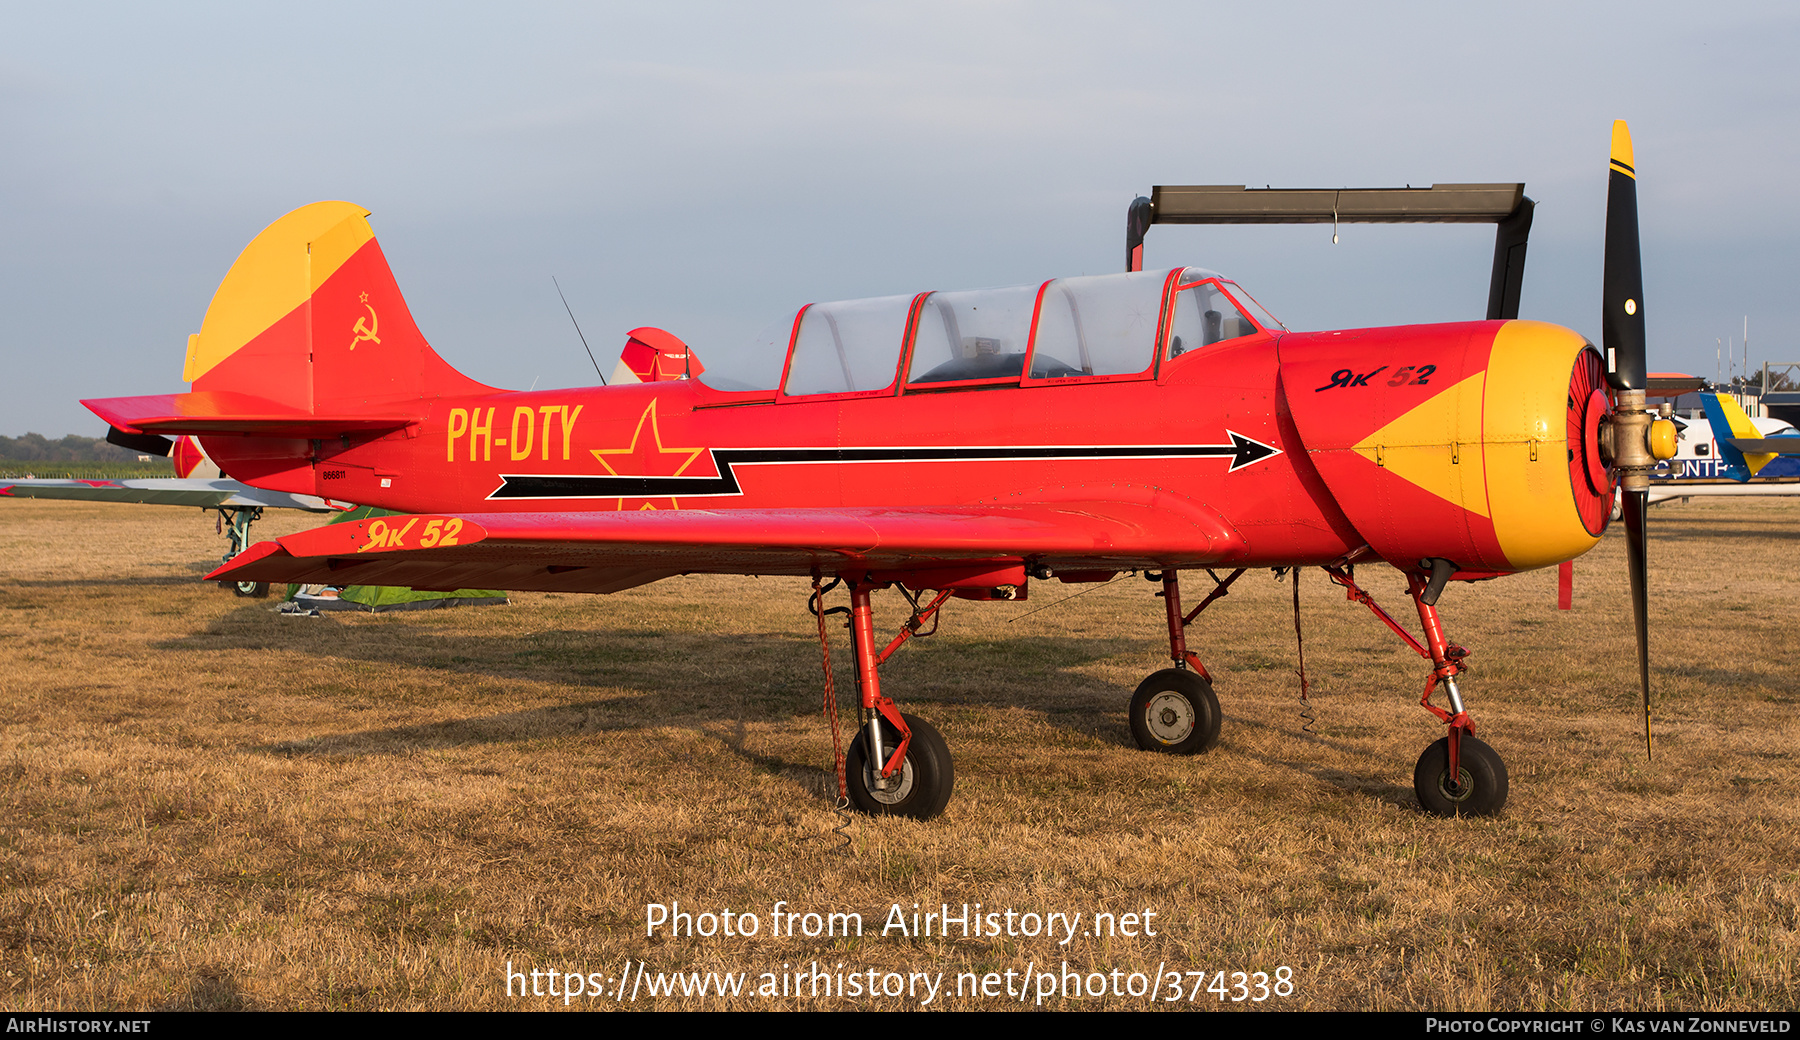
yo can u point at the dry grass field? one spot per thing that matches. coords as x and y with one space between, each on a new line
204 804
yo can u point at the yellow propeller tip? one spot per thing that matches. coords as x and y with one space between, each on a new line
1621 149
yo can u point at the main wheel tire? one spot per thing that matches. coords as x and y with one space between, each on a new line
251 589
1176 713
1480 789
922 786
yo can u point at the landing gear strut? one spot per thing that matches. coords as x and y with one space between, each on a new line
1458 775
897 765
239 520
1175 711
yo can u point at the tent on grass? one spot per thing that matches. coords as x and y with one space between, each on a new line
382 598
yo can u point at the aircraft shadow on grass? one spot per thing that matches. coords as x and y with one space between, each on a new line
151 580
1705 532
770 676
1363 785
213 989
771 680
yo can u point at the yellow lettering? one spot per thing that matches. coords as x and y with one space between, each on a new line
451 530
522 448
482 430
396 539
430 537
568 424
548 410
377 536
459 425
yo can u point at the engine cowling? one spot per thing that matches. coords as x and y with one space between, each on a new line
1477 443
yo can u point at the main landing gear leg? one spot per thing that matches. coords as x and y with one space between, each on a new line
238 539
898 765
1458 775
1175 711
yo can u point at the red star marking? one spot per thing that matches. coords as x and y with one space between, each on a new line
647 457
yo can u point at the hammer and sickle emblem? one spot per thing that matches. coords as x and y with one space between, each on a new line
365 331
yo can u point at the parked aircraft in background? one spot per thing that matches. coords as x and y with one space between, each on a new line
198 482
1717 456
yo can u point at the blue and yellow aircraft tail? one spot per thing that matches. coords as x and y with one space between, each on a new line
1742 447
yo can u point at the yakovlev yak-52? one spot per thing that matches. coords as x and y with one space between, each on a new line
949 443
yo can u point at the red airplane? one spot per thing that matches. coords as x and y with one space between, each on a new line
953 443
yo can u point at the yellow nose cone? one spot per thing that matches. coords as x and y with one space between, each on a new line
1662 439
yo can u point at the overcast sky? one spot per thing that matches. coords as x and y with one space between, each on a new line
703 167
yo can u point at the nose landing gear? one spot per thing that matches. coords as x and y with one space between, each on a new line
919 788
1477 788
1458 775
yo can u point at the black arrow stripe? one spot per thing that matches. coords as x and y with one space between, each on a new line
1242 451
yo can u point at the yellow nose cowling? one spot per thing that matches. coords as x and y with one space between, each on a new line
1532 445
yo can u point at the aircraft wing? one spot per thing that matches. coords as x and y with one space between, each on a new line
1788 445
610 551
169 491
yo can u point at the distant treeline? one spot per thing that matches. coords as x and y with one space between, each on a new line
13 469
35 447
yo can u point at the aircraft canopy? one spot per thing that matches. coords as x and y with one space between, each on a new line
1094 327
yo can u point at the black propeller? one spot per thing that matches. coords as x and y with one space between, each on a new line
1622 338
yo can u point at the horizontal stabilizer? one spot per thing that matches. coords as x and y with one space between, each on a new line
223 411
1766 445
148 443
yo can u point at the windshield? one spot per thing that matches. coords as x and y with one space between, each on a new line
1206 313
1257 311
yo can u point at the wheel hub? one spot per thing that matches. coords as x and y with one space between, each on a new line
1457 790
1170 718
889 790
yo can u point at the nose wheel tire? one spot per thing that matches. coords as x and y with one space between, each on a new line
920 788
1479 788
1175 712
